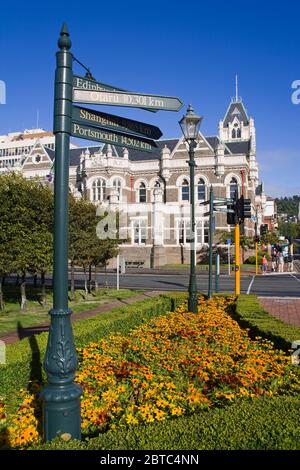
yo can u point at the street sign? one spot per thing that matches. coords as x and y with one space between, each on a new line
114 138
122 98
92 85
116 123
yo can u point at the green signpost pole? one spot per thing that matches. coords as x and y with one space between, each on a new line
211 236
61 395
193 297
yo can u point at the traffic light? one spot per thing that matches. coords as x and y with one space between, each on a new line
244 208
264 229
231 213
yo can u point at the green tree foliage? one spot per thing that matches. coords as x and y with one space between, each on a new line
85 248
289 230
288 205
26 221
26 233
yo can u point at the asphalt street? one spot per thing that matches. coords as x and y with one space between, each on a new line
269 285
277 285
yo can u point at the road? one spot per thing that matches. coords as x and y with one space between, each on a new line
277 285
273 285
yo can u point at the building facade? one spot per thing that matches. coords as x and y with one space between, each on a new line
151 191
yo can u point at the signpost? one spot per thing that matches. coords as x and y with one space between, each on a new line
112 137
87 84
116 123
122 98
61 395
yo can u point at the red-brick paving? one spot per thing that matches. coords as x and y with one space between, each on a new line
287 310
15 336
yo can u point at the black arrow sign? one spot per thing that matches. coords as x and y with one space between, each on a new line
116 123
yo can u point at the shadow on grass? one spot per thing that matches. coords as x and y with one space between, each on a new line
36 380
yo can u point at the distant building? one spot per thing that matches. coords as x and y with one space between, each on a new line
15 146
270 214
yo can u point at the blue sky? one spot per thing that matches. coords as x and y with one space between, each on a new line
187 49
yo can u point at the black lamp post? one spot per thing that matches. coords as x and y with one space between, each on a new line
190 124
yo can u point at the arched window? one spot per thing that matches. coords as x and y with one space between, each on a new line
238 133
99 190
234 189
201 190
233 134
117 184
142 193
185 191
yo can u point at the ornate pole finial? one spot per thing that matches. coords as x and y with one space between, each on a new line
236 88
64 41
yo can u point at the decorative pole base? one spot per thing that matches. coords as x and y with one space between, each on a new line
62 411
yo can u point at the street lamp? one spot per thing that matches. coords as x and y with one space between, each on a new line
190 124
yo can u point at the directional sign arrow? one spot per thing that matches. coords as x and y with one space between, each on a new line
112 137
116 123
92 85
122 98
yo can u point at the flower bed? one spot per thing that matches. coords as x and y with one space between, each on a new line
173 365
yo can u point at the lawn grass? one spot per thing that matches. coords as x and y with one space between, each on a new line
37 314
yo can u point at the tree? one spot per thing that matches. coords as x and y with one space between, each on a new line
85 248
26 215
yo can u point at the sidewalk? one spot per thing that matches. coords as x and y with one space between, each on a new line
287 310
15 336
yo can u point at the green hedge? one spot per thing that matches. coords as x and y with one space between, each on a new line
24 358
265 423
250 314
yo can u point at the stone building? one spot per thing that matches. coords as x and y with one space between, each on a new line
151 190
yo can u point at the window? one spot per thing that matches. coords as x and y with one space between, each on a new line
234 189
238 134
202 232
185 191
183 232
201 190
233 134
206 232
139 232
99 190
117 184
142 193
157 184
